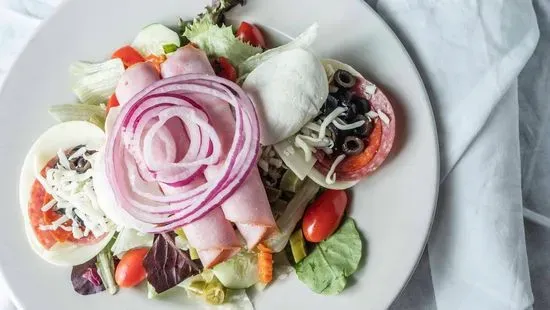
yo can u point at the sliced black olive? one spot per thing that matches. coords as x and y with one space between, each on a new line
353 145
82 165
365 130
362 104
76 148
350 114
79 221
344 97
338 136
330 104
344 79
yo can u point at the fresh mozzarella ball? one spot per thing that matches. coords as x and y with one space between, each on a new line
288 90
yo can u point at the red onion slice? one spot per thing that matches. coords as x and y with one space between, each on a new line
141 155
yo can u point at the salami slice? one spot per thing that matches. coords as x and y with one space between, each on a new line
377 146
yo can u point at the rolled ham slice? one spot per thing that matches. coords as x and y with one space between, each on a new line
212 235
134 80
248 208
187 59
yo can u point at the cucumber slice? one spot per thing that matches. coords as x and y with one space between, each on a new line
290 182
298 246
152 39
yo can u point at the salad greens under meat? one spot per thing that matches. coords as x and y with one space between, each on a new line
201 160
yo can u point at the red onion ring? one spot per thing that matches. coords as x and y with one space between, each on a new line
135 174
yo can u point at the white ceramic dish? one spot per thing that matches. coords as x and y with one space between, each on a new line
394 208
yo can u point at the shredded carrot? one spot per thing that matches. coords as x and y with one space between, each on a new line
263 248
265 264
156 60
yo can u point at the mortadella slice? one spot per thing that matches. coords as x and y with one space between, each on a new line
134 80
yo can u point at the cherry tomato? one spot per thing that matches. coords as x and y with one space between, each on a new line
128 55
113 102
251 34
323 216
130 271
224 69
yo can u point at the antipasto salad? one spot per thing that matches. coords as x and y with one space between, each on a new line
206 162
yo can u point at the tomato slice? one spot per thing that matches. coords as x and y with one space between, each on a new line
324 215
48 238
128 55
224 69
251 34
353 163
113 102
130 271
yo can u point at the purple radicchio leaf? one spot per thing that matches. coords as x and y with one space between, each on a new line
167 265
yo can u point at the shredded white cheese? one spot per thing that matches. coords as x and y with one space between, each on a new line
48 206
372 114
369 90
332 116
74 195
384 117
299 142
80 152
343 126
331 175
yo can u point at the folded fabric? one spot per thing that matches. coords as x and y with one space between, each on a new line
469 54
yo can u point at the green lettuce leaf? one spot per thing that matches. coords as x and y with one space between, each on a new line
79 112
215 13
219 41
128 239
94 83
325 270
238 272
304 41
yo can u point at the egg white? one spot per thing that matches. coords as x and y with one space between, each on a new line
61 136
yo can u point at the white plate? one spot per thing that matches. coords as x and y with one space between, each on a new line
394 208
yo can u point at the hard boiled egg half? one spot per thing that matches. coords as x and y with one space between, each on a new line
65 243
